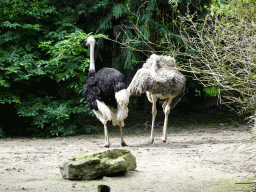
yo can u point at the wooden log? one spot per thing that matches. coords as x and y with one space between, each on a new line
103 188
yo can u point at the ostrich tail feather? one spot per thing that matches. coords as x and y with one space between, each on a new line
122 98
122 113
105 110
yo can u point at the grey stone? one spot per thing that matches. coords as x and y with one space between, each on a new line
94 165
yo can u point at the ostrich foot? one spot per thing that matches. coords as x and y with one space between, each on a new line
105 145
123 144
164 139
150 141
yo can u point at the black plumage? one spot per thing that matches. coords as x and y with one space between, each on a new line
102 86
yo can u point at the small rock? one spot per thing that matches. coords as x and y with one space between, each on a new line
98 164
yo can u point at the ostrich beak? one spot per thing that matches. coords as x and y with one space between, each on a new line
87 44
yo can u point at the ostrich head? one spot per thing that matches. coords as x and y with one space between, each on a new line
91 42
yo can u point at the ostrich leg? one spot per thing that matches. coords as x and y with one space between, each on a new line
104 122
121 124
154 112
107 144
166 108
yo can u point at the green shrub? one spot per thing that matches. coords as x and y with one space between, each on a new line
42 68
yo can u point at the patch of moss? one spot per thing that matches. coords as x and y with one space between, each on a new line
245 184
111 154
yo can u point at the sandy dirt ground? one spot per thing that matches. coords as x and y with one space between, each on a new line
201 158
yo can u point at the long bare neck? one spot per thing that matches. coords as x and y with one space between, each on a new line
92 63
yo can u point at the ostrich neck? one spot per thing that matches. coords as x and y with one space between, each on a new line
92 64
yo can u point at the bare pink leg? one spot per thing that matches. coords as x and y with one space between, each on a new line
154 112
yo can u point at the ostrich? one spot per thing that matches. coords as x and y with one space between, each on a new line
159 79
106 94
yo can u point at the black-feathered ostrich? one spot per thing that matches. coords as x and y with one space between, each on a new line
159 78
106 94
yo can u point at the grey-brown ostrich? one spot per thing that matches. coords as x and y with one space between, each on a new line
106 94
160 79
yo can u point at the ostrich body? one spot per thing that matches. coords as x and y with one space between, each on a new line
160 79
106 94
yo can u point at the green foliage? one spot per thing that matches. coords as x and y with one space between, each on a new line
211 91
45 110
43 66
238 8
66 60
150 26
51 114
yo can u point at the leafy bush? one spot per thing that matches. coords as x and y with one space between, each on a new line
49 109
42 68
220 51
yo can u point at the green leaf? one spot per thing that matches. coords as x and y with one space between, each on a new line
10 25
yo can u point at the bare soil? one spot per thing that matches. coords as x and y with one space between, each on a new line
202 153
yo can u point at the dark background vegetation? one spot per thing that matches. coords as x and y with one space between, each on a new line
44 62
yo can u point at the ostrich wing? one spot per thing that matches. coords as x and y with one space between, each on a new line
92 93
167 82
102 86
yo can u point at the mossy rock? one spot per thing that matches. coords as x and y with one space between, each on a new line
98 164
